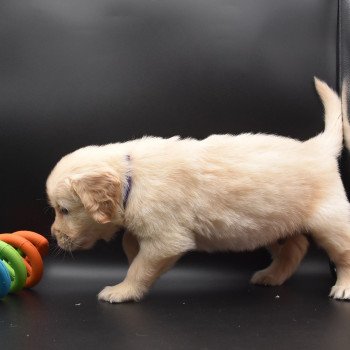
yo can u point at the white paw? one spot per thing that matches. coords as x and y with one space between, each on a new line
266 278
340 292
119 293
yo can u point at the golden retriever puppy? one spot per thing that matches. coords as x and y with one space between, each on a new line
222 193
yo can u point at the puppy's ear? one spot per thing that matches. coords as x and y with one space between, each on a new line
100 193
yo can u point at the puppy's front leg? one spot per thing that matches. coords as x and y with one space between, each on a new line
145 268
131 246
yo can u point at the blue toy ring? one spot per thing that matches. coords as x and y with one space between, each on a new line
5 280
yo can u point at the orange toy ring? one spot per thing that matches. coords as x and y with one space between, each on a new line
40 242
35 271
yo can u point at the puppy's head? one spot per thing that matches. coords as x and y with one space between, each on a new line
86 197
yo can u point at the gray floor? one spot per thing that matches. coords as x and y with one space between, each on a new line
203 303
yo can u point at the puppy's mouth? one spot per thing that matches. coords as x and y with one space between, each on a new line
87 245
71 245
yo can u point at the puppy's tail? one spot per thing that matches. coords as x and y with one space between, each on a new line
332 137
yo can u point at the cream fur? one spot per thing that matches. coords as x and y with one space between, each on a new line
346 124
225 192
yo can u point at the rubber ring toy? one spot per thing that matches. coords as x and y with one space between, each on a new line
5 280
31 257
15 265
39 241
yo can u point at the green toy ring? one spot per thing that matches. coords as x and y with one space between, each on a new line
14 262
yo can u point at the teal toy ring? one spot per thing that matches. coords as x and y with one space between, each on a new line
15 265
5 280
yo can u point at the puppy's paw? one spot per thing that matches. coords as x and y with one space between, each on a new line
266 278
120 293
340 292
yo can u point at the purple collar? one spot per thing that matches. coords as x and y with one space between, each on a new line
127 188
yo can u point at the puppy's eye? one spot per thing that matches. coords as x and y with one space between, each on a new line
64 211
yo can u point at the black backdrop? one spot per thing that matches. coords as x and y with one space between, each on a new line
80 72
75 73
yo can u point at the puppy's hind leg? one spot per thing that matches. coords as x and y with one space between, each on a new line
286 258
333 234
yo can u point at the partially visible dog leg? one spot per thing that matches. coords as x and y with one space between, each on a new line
286 258
146 267
334 237
341 290
130 245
